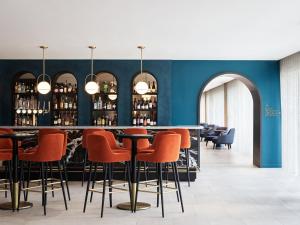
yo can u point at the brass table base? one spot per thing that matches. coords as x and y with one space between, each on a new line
8 205
139 206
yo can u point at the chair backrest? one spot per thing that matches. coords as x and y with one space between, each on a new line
56 131
167 148
158 136
50 147
85 133
6 143
99 149
227 138
142 143
185 137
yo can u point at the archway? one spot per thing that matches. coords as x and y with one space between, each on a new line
256 111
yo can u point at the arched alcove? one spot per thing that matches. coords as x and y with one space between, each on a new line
25 100
144 106
105 102
64 100
256 111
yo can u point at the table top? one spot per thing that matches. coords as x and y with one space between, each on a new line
191 127
135 136
17 135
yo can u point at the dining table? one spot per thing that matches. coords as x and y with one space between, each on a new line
133 178
15 203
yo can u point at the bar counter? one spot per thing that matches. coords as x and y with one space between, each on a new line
75 154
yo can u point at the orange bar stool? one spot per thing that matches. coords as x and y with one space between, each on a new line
166 150
185 146
49 149
99 151
85 133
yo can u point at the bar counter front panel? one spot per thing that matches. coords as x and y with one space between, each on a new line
75 153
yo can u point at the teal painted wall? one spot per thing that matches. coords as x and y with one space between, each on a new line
189 77
179 83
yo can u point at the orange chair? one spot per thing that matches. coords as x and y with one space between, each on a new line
49 149
165 150
85 133
100 151
142 144
6 156
185 146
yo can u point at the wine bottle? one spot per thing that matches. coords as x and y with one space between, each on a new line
70 103
69 88
153 88
66 103
66 87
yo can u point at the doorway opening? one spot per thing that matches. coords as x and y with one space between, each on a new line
230 105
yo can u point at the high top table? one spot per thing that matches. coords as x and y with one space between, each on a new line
139 205
15 203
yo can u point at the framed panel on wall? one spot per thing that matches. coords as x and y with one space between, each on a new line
144 106
65 100
25 100
105 102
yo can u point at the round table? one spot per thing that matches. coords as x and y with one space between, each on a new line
13 205
134 138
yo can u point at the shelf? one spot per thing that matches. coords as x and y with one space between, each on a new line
105 110
70 110
26 93
146 110
68 93
107 93
154 93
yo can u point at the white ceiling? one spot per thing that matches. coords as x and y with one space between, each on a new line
170 29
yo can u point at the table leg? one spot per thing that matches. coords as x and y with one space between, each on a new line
15 204
139 205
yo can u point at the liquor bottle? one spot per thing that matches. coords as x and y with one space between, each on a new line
153 88
66 103
105 87
148 120
146 105
141 121
145 120
134 91
65 87
150 104
134 121
70 103
56 88
75 88
95 104
67 121
75 103
154 103
55 120
55 102
149 87
114 106
59 120
61 88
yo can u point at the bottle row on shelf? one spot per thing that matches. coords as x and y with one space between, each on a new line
29 102
65 119
107 120
25 87
65 102
145 103
100 104
144 119
26 120
65 88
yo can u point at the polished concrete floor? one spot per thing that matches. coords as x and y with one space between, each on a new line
228 190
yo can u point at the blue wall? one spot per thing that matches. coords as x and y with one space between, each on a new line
179 84
189 77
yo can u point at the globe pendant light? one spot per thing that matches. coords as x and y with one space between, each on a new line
91 86
43 86
141 87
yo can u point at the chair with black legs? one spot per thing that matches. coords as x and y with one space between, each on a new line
49 150
99 151
165 150
85 133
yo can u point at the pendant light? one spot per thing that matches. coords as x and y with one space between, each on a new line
113 92
43 86
91 86
141 87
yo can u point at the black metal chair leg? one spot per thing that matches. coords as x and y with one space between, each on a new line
110 183
157 189
43 188
6 177
83 169
88 186
66 178
28 180
175 181
187 153
62 184
51 178
129 186
137 184
178 184
94 181
46 182
104 187
161 189
145 172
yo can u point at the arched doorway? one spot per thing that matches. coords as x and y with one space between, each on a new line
256 111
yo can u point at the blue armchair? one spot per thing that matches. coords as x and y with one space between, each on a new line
226 139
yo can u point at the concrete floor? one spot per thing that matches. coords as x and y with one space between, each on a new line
228 190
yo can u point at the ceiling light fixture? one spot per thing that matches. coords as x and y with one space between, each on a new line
141 87
91 87
44 86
